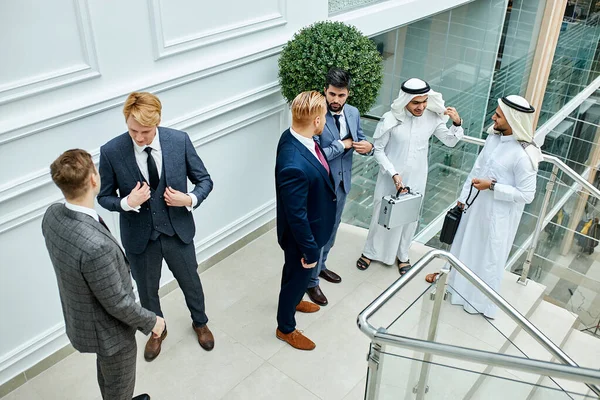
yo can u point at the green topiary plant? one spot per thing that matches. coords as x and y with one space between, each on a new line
305 60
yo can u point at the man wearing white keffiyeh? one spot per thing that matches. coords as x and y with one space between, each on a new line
505 172
401 143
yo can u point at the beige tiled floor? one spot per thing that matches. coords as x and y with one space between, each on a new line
248 362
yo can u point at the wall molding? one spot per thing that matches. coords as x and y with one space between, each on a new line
164 47
49 338
42 177
88 69
235 226
118 100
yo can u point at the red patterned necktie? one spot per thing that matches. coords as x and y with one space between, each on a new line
321 157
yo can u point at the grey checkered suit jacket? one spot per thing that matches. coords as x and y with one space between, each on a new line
94 282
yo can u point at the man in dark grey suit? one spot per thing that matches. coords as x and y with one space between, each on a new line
145 174
101 315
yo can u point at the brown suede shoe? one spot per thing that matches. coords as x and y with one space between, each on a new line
307 307
296 339
153 346
205 337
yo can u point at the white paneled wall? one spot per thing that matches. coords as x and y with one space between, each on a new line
65 71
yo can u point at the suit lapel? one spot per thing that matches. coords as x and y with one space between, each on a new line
166 145
348 116
312 159
128 157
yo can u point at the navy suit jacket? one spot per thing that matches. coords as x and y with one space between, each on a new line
119 172
340 160
306 200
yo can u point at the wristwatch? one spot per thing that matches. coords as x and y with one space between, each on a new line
493 184
459 124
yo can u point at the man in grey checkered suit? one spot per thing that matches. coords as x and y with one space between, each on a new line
99 307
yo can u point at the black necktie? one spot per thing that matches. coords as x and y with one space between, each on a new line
337 122
152 170
103 223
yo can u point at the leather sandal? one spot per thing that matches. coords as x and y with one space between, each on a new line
403 266
362 264
430 278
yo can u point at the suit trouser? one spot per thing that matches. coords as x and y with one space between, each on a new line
116 373
340 195
294 281
181 260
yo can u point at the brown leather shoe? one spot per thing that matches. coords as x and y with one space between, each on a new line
205 337
307 307
296 339
330 276
317 296
153 346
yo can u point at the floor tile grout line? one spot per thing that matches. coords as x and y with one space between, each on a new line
293 380
246 377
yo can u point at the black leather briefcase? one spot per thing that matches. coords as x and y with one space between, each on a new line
452 219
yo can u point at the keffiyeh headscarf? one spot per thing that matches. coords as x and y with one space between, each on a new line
519 115
410 89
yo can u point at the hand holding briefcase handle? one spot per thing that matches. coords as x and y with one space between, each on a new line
453 217
400 209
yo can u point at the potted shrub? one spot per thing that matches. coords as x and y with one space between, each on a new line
307 57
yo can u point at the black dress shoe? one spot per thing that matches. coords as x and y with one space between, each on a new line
142 397
330 276
317 296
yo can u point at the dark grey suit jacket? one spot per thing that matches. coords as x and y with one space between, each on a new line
94 282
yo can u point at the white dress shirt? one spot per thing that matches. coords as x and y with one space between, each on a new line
89 211
141 158
309 143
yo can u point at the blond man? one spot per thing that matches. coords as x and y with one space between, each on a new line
305 210
145 174
101 315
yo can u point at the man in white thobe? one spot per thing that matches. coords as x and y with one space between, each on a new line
401 149
505 173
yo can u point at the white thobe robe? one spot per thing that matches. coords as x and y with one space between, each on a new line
488 228
403 149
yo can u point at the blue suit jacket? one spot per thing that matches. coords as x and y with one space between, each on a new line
305 199
340 160
119 172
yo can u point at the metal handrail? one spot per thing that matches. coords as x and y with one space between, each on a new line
577 374
554 161
376 335
546 157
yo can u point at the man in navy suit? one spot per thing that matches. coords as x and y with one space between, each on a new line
305 210
145 174
341 137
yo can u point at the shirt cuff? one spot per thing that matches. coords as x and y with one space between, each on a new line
457 131
194 201
126 207
342 144
503 192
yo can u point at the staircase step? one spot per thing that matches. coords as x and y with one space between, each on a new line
554 322
584 349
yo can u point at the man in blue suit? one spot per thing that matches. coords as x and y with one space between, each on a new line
305 211
144 177
341 137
